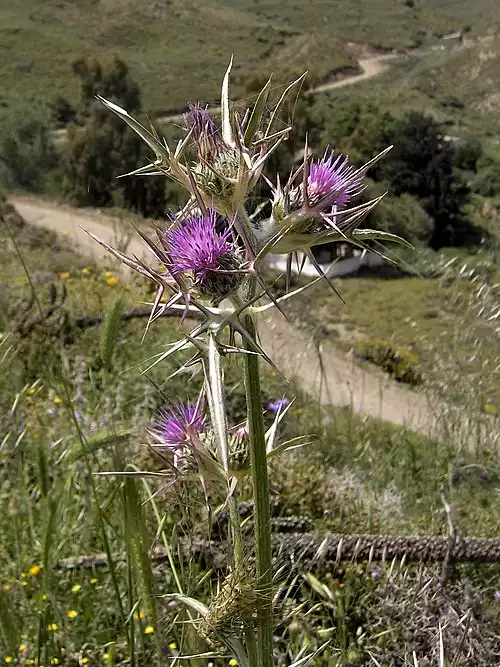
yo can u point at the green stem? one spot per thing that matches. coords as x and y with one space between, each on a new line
261 502
215 392
235 527
237 546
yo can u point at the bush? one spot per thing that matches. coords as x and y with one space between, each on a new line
487 182
467 153
27 153
401 215
402 365
104 147
63 112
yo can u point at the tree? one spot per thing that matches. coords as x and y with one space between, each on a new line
63 111
27 153
103 147
421 164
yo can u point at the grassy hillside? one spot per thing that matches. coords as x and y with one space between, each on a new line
178 49
445 319
456 84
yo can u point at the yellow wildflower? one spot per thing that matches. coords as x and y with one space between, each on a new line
57 400
93 580
65 275
44 596
35 570
85 271
75 588
233 662
54 661
9 659
23 574
84 661
72 613
30 662
172 645
138 615
112 281
52 627
22 648
149 630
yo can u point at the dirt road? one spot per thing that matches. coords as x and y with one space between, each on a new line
371 67
74 225
337 379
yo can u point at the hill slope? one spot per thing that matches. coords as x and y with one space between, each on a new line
178 49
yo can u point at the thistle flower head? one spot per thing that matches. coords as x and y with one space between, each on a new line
204 131
196 247
179 425
278 405
241 432
333 179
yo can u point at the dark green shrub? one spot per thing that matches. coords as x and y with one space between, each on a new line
27 153
402 365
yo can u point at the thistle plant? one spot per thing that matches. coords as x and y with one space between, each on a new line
208 261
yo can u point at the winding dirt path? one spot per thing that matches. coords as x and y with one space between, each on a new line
333 376
370 67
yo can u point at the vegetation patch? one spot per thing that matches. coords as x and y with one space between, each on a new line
402 365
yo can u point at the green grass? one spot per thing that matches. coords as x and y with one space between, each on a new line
177 51
453 85
449 322
66 416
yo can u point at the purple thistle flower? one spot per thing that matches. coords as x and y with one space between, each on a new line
278 405
241 432
179 425
195 245
497 595
334 179
205 131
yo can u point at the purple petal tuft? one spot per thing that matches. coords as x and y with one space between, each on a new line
178 425
195 245
333 178
278 405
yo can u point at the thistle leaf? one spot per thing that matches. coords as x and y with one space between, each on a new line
298 82
227 133
190 603
215 394
162 152
255 116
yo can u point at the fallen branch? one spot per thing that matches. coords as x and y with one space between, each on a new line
318 552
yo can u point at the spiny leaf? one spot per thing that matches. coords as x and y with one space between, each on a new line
227 134
254 120
162 152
